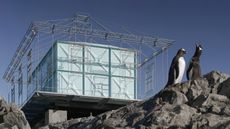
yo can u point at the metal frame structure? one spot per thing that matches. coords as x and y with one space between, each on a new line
80 25
41 34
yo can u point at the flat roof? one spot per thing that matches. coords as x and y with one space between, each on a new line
78 106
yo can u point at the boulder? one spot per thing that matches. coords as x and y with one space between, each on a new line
172 96
224 88
210 121
177 115
12 117
196 88
212 103
215 78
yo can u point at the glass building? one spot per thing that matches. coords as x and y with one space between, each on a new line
87 69
77 65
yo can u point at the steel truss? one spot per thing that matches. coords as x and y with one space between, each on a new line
83 26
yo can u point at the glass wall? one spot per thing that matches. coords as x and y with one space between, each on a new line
87 69
123 74
96 71
69 68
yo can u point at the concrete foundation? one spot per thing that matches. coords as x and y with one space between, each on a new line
55 116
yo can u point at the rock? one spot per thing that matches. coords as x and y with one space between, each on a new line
4 108
16 117
196 88
179 115
215 78
200 104
225 88
12 117
210 120
5 126
212 103
173 97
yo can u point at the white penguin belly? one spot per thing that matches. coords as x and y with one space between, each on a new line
181 63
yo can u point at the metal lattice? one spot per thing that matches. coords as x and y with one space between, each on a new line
38 41
82 26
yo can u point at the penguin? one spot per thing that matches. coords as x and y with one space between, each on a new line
194 70
177 68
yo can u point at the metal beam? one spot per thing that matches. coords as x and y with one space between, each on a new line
20 52
46 27
78 25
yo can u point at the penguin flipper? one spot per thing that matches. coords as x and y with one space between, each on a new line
189 72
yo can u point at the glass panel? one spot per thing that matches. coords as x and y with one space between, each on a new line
70 57
96 85
69 83
122 63
96 60
122 88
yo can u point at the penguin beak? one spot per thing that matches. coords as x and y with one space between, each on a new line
185 52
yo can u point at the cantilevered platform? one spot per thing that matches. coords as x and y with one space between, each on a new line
75 105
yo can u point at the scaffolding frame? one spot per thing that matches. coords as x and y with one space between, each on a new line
80 25
78 28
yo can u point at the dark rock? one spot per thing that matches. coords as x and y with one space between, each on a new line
4 109
225 88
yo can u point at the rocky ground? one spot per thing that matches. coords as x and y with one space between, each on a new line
11 117
199 104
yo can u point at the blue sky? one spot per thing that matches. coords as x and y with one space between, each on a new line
185 21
